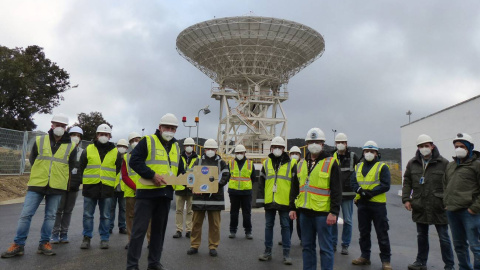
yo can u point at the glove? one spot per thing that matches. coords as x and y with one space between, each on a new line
367 195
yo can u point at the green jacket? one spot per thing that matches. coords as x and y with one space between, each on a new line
462 184
427 198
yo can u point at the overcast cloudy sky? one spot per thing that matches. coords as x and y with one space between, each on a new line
382 58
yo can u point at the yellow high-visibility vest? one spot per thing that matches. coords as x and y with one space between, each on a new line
280 180
371 180
240 179
128 192
100 171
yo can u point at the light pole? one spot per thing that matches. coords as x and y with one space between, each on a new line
205 110
334 132
409 113
184 120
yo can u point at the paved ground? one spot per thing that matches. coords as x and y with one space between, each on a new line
238 253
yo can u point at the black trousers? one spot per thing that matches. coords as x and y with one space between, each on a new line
244 202
157 210
376 213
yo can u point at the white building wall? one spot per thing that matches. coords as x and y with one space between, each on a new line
443 126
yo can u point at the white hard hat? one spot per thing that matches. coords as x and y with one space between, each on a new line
210 144
463 137
60 118
279 141
75 129
122 142
240 148
169 119
188 141
133 135
315 134
104 128
295 149
423 138
341 137
370 145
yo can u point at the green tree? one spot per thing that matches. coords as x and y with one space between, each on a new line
29 83
89 124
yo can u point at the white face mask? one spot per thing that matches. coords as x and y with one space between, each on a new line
315 148
134 144
425 151
341 146
296 157
58 131
460 152
277 152
189 149
75 139
167 135
210 153
121 150
240 156
369 156
103 139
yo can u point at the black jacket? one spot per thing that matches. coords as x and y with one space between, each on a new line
335 189
347 164
47 190
252 178
201 201
137 163
75 173
187 191
99 191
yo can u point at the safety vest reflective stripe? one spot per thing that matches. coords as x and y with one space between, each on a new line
240 178
260 200
161 162
370 181
209 202
100 171
315 190
315 186
100 167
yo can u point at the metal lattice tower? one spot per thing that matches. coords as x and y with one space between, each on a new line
251 59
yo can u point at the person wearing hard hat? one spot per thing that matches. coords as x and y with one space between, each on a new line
347 160
462 200
154 157
422 185
275 183
128 183
67 203
242 174
100 164
183 195
118 195
209 203
371 181
316 194
52 159
295 153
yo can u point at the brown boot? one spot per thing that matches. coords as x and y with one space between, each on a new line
361 261
386 266
13 250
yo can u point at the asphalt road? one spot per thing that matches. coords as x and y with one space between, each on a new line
238 253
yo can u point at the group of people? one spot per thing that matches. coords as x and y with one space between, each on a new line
310 190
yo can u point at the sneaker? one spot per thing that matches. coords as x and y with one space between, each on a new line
287 260
64 239
122 231
188 234
249 236
386 266
266 256
192 251
417 266
13 250
213 252
178 234
231 235
45 249
104 244
126 247
344 250
361 261
55 239
85 243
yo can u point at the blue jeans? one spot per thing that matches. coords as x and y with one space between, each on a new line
284 223
314 227
465 229
89 206
30 206
347 211
120 200
445 244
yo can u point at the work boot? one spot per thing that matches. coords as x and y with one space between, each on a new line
192 251
46 249
213 252
64 239
286 258
344 250
177 234
122 231
157 267
417 266
13 250
387 266
231 235
85 243
266 256
188 234
249 236
55 239
361 261
104 244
